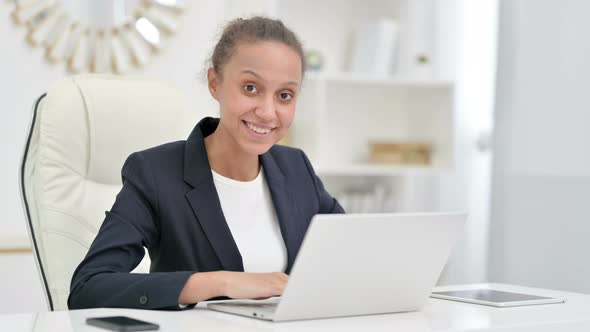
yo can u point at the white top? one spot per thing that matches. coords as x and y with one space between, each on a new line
251 217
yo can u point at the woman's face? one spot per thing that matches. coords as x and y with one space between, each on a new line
257 94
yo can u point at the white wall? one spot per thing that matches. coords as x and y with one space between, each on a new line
25 75
466 49
21 289
540 217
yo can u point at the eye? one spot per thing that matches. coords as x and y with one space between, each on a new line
285 96
250 88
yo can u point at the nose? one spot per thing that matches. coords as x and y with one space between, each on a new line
266 109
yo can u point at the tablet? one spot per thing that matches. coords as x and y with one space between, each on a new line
495 298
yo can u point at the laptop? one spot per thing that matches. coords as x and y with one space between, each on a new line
360 264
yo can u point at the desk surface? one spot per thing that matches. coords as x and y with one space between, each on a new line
437 315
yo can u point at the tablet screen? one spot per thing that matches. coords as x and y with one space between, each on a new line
490 295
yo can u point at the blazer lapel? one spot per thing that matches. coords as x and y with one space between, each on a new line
204 200
284 207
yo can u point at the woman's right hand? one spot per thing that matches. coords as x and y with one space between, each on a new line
202 286
246 285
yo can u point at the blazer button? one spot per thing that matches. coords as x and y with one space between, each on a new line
143 299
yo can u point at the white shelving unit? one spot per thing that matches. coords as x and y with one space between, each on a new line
337 117
367 169
340 113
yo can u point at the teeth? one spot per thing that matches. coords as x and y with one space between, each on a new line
257 129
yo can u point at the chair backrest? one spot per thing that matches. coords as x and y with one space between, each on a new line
83 129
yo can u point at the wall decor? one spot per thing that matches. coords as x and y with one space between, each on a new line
106 36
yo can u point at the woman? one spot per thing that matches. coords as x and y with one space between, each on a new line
223 213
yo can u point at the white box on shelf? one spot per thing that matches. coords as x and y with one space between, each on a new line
374 46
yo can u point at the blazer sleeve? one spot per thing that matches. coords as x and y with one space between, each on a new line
103 278
327 203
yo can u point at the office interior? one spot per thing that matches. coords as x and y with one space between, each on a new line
499 128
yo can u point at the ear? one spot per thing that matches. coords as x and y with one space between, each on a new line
212 82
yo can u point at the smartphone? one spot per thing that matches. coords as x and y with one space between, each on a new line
122 324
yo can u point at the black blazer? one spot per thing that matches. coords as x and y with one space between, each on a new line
169 205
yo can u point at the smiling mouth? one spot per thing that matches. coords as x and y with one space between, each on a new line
258 129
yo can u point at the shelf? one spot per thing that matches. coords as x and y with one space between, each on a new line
352 78
376 170
336 122
14 244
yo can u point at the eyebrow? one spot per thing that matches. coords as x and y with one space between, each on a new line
247 71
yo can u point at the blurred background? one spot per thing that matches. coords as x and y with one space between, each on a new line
408 105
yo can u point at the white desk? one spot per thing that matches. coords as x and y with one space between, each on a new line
438 315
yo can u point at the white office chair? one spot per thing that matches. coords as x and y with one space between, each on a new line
82 130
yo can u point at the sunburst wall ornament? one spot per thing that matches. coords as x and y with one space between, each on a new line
99 35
